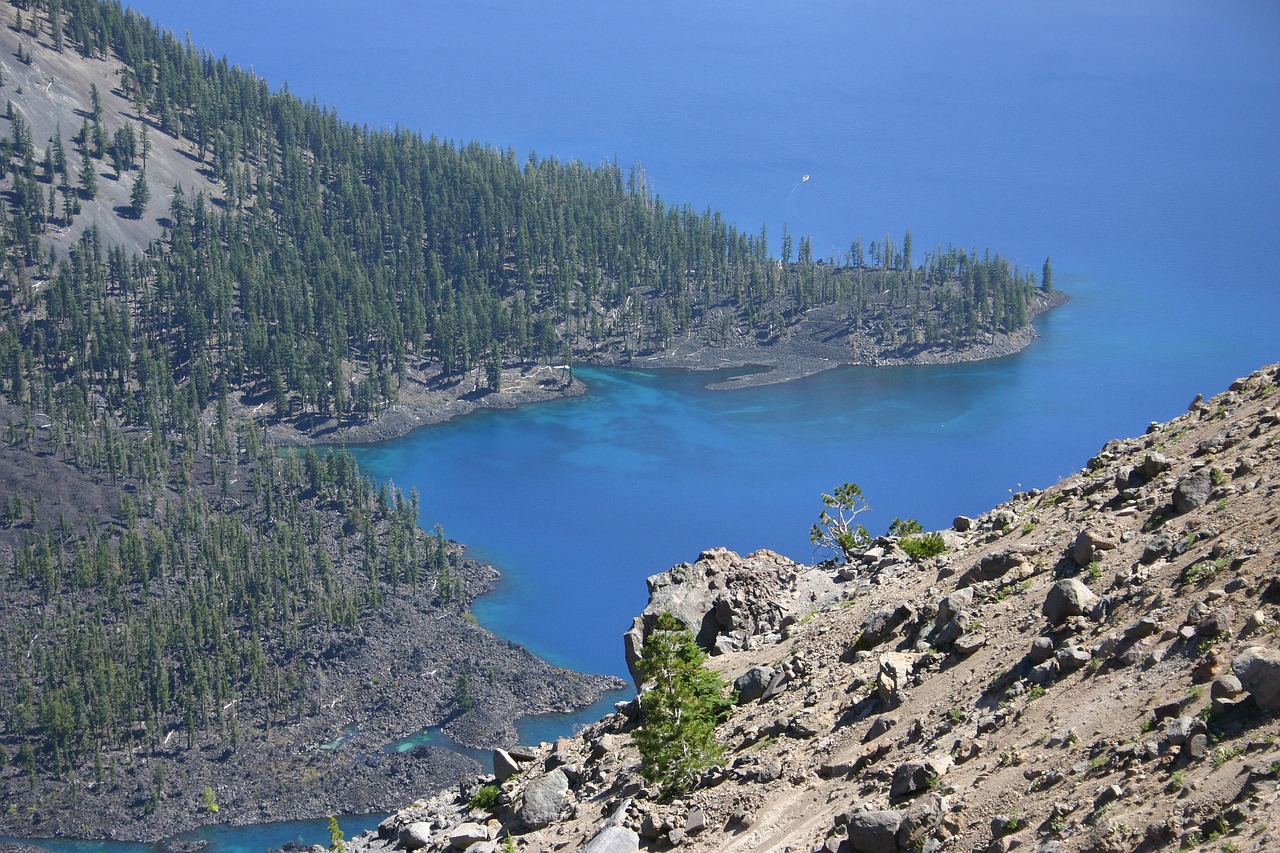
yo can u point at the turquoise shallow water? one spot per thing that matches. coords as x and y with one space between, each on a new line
1135 144
223 839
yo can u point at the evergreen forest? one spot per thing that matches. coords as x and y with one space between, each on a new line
172 580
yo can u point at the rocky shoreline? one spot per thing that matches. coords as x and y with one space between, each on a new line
400 672
821 341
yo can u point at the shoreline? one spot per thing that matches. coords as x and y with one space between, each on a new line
810 348
338 760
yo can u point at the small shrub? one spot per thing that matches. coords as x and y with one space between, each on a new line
1008 758
485 797
684 701
904 527
1223 754
923 546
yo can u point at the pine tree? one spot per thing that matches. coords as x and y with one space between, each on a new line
336 843
1046 279
88 177
680 708
140 195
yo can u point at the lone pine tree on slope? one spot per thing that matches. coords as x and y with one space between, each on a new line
680 708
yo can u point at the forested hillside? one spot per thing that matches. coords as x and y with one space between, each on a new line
186 256
338 254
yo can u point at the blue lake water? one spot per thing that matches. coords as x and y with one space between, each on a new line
1137 144
222 839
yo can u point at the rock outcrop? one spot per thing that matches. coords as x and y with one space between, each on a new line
731 603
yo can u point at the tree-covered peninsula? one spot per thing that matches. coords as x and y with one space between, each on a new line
193 266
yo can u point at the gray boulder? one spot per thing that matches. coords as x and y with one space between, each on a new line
1069 597
879 726
1192 491
920 821
874 831
993 566
953 630
950 605
1226 692
1154 465
504 766
614 839
1159 546
1043 673
415 835
1258 669
1041 649
911 777
1071 658
881 624
544 798
464 835
752 683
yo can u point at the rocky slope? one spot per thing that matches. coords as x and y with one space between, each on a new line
50 90
1092 667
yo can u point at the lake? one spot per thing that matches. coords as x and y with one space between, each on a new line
1134 143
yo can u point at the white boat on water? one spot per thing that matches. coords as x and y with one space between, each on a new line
804 178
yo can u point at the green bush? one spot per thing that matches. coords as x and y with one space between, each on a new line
904 527
485 797
923 546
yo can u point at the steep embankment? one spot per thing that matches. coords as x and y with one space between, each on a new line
1092 667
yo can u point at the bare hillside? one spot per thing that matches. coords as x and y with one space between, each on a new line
1093 667
52 89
